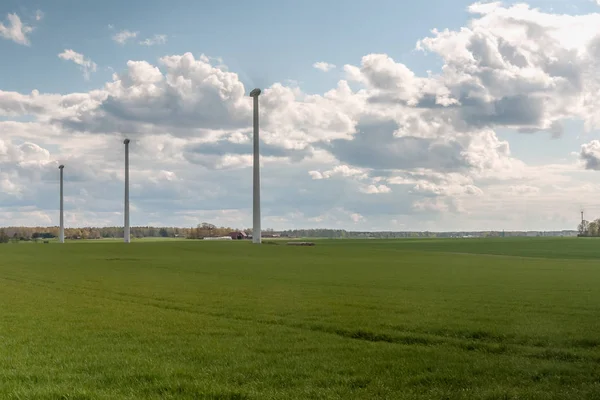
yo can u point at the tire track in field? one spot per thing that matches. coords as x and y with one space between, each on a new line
407 337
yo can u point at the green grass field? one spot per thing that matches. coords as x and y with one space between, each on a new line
371 319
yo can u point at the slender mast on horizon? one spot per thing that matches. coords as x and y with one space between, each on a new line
256 230
126 230
61 235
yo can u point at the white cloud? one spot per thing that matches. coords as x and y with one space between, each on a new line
434 205
87 65
39 15
376 189
521 190
316 174
324 66
590 155
26 152
9 187
14 29
154 40
356 217
141 99
339 170
124 36
510 59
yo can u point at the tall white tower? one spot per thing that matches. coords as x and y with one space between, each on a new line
61 235
256 232
126 230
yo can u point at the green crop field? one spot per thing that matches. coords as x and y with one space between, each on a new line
371 319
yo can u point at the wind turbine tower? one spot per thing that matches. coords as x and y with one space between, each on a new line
126 230
256 233
61 235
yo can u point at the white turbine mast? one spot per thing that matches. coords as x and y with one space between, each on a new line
61 235
126 229
256 232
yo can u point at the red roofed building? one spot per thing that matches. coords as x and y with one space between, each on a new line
238 235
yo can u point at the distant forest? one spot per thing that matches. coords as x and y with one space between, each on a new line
33 233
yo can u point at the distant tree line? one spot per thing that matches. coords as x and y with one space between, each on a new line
206 229
201 231
34 233
209 230
343 234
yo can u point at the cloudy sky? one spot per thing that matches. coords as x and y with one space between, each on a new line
444 115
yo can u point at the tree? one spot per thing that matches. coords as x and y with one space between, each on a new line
206 230
593 228
3 236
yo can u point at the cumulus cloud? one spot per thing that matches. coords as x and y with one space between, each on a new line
14 29
87 66
376 189
154 40
339 170
518 67
191 96
324 66
590 155
20 164
376 146
124 36
39 15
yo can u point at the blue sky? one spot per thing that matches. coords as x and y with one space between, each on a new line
264 44
265 40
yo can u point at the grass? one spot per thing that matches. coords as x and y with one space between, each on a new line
372 319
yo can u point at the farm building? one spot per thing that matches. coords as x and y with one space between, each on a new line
238 235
